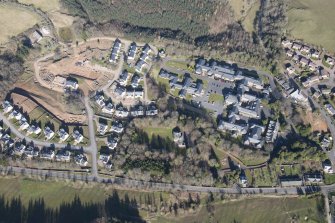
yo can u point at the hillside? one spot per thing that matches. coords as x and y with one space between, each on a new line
312 21
193 17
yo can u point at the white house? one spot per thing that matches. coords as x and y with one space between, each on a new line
63 135
48 133
78 138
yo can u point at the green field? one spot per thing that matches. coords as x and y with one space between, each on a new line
216 98
312 21
258 210
163 132
14 21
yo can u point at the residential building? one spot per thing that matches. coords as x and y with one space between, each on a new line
120 91
23 124
108 108
100 100
121 112
117 127
287 43
305 49
304 61
112 141
34 129
48 133
272 131
236 129
151 110
81 160
330 61
7 107
31 151
315 54
123 78
63 155
15 114
313 178
132 51
71 84
114 56
104 158
178 137
135 80
102 128
77 136
296 46
330 109
19 148
63 135
137 111
327 166
254 137
47 153
140 66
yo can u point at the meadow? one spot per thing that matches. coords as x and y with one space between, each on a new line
312 21
15 21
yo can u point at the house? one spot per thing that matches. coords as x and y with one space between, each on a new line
330 61
324 74
326 91
108 108
34 129
15 114
19 148
115 51
313 66
296 58
236 129
121 112
287 43
31 151
71 84
253 83
327 166
167 75
243 180
137 111
120 91
290 53
63 135
102 128
104 158
47 153
35 37
298 97
117 127
147 49
254 137
178 137
272 131
305 49
112 141
231 99
290 181
63 155
151 110
77 136
132 51
48 133
123 78
23 124
140 66
314 178
7 107
100 100
81 160
315 54
135 80
304 61
296 46
330 109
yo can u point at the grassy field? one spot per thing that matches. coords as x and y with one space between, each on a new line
312 21
248 21
15 21
54 193
44 5
258 210
177 64
163 132
216 98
